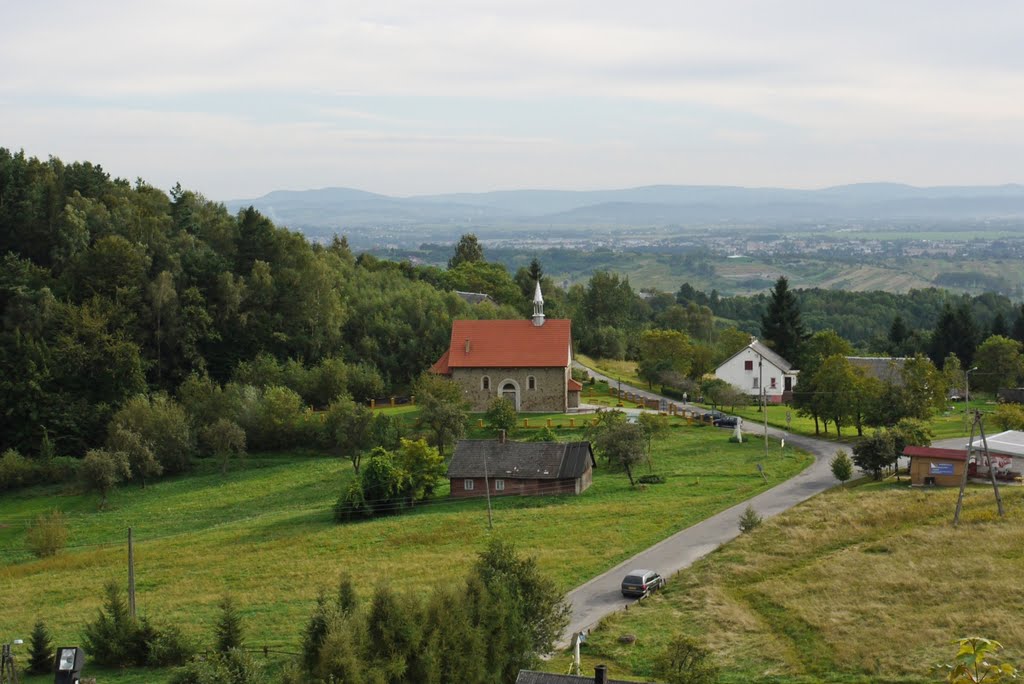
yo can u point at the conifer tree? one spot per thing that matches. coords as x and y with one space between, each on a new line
228 633
781 326
40 650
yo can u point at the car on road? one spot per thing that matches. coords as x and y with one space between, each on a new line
641 582
726 421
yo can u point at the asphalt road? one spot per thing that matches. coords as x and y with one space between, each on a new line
601 595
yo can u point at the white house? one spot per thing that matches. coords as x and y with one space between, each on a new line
755 368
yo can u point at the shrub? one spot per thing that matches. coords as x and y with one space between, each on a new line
170 647
1009 417
101 470
750 520
651 479
233 667
47 535
162 425
15 470
501 415
686 661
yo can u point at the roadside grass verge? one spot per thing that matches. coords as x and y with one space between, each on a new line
265 534
870 584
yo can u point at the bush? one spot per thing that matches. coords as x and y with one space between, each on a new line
47 535
233 667
750 520
162 425
651 479
170 647
15 470
842 466
686 661
1009 417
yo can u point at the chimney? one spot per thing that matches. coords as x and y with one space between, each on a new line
501 437
467 345
600 675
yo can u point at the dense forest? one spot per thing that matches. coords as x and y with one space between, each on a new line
110 290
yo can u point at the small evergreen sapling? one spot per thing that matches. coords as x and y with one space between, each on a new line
750 520
228 633
842 466
40 650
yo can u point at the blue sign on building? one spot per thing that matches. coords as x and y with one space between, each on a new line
940 468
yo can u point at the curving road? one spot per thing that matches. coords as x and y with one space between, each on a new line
600 596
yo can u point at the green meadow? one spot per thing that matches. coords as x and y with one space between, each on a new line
864 584
265 534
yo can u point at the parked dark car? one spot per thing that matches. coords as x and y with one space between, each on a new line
726 421
641 582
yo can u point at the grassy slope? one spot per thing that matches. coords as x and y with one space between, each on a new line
863 585
265 534
950 423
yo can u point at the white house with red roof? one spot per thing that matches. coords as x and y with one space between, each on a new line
526 361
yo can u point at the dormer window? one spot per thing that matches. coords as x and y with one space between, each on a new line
485 383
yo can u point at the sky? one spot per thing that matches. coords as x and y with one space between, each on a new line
402 97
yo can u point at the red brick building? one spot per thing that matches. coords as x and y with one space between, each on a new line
520 468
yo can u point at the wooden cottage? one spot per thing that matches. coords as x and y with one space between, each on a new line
520 468
934 466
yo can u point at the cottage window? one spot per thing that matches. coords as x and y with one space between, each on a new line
748 365
773 383
755 383
499 485
468 484
485 383
531 382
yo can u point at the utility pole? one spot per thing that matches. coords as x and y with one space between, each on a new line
131 574
487 488
967 393
991 471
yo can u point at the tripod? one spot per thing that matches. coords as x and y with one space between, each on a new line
8 671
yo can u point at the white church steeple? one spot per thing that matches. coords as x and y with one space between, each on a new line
538 307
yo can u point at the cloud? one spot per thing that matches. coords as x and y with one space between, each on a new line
339 88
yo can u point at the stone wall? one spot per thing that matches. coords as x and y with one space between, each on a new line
549 394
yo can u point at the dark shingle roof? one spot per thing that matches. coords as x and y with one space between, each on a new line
524 460
884 368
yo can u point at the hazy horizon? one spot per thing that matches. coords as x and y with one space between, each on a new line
239 99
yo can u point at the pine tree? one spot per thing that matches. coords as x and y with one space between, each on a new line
1017 332
781 326
40 650
228 633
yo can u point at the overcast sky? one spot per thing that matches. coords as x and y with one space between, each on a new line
235 99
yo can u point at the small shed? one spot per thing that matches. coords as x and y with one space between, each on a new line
932 466
520 468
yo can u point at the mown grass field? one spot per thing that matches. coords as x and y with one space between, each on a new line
265 534
869 584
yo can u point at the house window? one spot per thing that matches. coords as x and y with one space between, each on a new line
755 383
499 485
468 484
485 383
748 365
531 382
773 383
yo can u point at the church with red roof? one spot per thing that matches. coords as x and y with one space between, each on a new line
525 361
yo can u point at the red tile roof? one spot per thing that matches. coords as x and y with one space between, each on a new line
575 386
507 344
935 452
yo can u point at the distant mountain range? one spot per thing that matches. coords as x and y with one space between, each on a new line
653 206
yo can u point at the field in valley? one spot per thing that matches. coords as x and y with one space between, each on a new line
265 534
869 584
